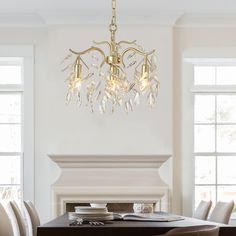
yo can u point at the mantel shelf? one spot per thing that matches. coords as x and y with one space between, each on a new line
81 161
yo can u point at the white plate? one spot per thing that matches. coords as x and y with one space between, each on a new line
90 210
102 217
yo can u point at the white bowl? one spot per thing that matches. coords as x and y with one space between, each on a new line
98 205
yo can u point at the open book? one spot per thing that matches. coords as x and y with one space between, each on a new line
159 217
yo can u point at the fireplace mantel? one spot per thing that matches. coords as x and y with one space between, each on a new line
109 161
107 178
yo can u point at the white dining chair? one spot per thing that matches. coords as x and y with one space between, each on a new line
222 212
32 218
19 217
205 230
202 210
6 228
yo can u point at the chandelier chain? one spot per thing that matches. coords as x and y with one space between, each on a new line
113 25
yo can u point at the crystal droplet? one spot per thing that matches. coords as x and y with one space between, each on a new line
66 68
79 100
68 97
95 66
137 99
103 106
88 98
126 107
95 57
154 59
66 58
137 74
132 64
101 74
131 104
119 100
108 94
91 106
89 75
99 95
131 55
98 85
105 98
151 99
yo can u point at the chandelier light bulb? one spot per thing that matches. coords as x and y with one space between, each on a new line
126 77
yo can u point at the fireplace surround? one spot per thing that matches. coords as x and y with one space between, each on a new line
108 179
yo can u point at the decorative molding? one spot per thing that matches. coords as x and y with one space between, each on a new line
176 19
109 161
107 178
46 19
206 20
70 18
21 20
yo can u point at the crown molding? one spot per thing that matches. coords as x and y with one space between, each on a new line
176 19
70 18
206 20
21 20
47 19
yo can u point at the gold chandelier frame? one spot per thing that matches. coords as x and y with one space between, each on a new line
117 87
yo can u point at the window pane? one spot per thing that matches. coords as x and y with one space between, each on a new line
204 109
226 193
226 108
226 138
226 75
205 171
10 138
226 169
204 138
10 74
10 105
9 170
10 193
204 75
205 193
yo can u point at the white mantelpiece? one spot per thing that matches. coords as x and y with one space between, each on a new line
107 178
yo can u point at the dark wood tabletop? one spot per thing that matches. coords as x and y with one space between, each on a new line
61 227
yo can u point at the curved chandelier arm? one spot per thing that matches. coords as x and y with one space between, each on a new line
126 42
103 42
89 50
145 54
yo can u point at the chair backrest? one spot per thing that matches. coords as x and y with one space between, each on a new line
222 212
205 230
5 223
33 215
202 210
19 217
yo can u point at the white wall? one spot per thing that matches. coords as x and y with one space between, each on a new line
62 129
66 130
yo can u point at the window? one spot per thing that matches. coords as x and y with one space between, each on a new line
10 128
215 132
16 123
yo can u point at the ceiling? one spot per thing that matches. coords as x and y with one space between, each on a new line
186 6
93 9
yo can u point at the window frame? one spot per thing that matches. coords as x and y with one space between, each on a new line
190 58
26 53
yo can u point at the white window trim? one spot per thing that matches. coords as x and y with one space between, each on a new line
192 57
27 53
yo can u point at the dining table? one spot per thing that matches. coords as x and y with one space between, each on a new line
61 226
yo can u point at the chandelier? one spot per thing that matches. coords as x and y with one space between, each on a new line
123 75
